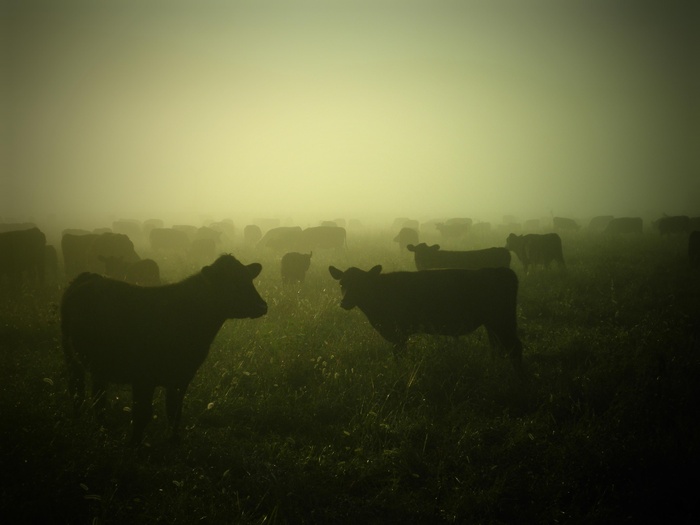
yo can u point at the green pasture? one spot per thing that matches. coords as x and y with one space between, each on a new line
304 415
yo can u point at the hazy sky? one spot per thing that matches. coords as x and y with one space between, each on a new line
431 108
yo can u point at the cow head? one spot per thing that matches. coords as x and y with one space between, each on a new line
514 242
234 289
354 283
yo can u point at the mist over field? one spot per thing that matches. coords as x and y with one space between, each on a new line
348 109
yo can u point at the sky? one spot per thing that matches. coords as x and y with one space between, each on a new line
348 108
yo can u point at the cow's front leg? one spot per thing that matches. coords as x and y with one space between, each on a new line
142 410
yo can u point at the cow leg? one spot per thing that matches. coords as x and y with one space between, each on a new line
142 410
173 405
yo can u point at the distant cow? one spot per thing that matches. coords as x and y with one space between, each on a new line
282 239
431 257
599 223
83 253
323 237
169 240
694 248
440 302
251 234
150 337
405 237
454 228
144 272
672 225
22 256
624 225
564 224
294 266
534 249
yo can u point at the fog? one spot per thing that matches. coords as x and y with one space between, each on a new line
349 109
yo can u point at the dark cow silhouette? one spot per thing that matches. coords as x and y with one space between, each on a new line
144 272
294 266
405 237
323 237
149 337
694 248
564 224
252 234
599 223
624 225
22 256
440 302
536 248
83 253
282 238
673 225
430 257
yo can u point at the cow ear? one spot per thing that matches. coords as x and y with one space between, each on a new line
410 248
254 270
376 270
335 273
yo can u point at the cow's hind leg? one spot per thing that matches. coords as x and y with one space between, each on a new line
173 405
142 410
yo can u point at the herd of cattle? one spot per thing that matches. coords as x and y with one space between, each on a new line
121 324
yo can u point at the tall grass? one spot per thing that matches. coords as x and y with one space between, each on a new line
304 416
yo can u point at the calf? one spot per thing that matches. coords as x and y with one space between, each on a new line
444 302
294 266
149 337
430 257
534 249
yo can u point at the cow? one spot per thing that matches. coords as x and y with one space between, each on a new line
294 266
431 257
439 302
405 237
599 223
694 248
150 336
82 252
323 237
22 256
169 240
564 224
535 248
251 234
282 239
454 228
144 272
624 225
672 225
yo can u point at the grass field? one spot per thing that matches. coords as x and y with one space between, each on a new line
304 416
